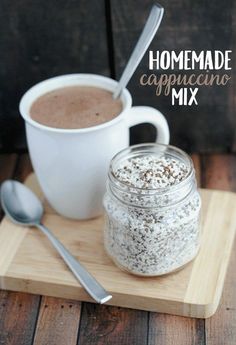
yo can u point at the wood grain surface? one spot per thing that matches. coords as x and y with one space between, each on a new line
220 171
112 326
58 322
175 330
217 171
18 317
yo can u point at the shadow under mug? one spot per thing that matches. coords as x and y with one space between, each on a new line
72 164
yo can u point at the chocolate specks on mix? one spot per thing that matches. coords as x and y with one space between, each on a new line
151 172
152 211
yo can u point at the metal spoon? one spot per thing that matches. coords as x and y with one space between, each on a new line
149 30
23 207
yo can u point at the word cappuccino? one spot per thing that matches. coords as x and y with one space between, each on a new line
205 61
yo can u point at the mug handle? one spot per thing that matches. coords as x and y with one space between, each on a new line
143 114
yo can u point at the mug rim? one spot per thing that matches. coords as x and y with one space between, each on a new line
106 81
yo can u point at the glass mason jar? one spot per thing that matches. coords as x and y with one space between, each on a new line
151 232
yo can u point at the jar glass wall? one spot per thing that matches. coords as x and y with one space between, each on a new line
152 231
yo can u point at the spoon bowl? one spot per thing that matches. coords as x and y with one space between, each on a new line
20 204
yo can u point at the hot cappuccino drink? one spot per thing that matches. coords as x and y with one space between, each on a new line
75 107
74 127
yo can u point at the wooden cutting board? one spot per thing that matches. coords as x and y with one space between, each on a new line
29 263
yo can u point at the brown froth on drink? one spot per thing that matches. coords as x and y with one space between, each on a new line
75 107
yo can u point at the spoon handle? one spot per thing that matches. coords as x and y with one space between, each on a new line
142 45
90 284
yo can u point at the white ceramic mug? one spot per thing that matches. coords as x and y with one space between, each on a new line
71 164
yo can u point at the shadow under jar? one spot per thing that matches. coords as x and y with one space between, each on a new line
152 222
